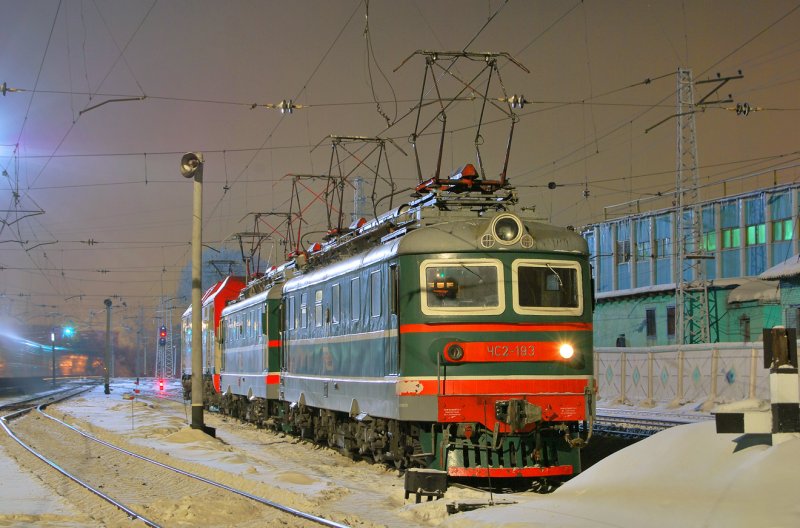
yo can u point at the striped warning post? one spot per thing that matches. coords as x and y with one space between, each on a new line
783 420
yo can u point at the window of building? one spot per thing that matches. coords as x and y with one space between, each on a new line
663 248
623 253
643 250
710 241
670 322
623 249
744 327
782 230
650 322
756 234
731 238
663 237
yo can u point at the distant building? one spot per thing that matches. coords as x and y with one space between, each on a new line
751 239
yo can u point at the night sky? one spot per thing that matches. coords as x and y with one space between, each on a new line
110 94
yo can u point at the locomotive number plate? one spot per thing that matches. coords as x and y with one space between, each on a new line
502 351
510 350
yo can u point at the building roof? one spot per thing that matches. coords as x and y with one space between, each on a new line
788 268
756 290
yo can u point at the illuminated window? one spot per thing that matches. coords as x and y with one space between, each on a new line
710 241
731 238
782 230
756 234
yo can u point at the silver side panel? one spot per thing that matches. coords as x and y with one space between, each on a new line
249 385
376 397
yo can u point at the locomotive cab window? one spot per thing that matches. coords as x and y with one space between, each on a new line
462 286
547 287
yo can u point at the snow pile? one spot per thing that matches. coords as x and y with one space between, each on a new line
685 476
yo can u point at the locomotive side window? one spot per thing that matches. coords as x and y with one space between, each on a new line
394 288
318 308
335 303
355 299
375 293
291 323
462 286
547 287
303 310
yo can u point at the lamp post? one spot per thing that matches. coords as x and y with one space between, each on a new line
53 345
107 360
192 167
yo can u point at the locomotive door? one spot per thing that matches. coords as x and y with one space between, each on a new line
392 344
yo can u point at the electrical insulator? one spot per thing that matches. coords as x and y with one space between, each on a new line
743 109
517 101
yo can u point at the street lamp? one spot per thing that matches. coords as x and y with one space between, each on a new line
53 345
192 167
107 361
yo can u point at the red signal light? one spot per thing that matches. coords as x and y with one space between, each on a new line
161 385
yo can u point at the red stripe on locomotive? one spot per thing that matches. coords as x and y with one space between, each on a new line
495 327
508 472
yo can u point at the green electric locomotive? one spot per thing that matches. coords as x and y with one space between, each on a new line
452 333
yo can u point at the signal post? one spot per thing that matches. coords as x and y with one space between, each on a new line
192 167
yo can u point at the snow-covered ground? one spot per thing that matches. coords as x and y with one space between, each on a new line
684 477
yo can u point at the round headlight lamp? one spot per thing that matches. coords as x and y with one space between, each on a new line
507 229
566 351
455 353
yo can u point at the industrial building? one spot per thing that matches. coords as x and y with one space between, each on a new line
746 252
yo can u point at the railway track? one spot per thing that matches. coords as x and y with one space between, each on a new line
630 423
138 487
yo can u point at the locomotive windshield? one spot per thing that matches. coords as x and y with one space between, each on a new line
547 287
462 286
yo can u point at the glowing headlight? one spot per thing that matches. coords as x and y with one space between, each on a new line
507 229
566 351
455 352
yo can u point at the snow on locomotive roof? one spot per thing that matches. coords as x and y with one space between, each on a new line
461 235
465 235
238 304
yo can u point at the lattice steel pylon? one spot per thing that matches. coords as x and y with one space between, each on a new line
165 353
691 287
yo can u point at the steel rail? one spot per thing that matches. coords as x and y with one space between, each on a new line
266 502
131 513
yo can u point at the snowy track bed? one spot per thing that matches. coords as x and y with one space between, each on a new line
292 472
141 487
